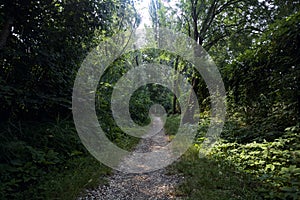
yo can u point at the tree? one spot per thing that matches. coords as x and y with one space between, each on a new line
220 25
42 45
264 81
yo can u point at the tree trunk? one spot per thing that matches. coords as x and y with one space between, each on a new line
5 32
175 86
190 110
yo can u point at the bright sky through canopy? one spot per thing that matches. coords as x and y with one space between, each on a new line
142 7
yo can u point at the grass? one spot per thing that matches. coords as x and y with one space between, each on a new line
68 184
240 169
210 180
172 124
81 173
47 161
206 178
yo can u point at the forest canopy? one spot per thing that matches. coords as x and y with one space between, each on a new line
254 43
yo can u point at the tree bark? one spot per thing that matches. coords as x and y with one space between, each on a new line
175 86
5 32
191 107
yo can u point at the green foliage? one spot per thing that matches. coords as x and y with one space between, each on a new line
263 82
48 161
276 164
262 136
68 181
146 96
143 98
172 124
263 99
28 153
208 179
46 43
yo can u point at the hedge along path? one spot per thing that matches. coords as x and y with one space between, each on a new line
151 185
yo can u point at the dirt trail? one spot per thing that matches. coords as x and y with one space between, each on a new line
151 185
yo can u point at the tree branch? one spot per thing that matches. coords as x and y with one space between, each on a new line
208 20
188 23
226 5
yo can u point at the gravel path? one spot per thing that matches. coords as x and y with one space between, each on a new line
151 185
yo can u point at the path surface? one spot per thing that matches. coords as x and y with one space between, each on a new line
151 185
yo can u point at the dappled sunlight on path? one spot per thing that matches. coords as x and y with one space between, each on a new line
151 185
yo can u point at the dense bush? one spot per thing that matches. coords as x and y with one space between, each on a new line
262 135
276 164
263 82
31 151
35 155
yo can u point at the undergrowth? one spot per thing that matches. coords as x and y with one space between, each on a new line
48 161
275 164
265 167
207 179
172 124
